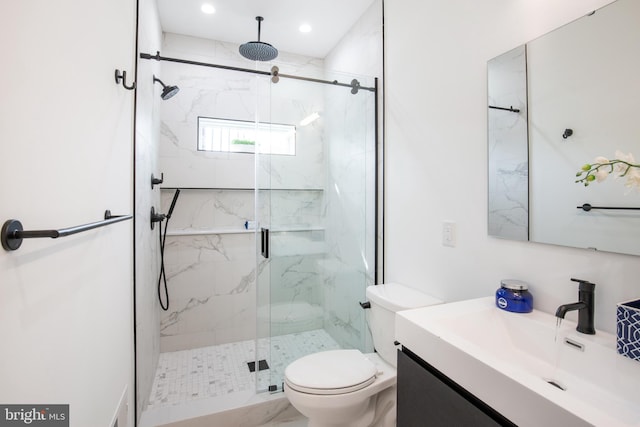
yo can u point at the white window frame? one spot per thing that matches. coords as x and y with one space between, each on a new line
239 136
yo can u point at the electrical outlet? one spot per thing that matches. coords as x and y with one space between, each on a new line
449 234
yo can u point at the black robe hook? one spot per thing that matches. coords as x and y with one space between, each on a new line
122 76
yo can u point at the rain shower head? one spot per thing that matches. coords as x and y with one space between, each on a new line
167 91
257 50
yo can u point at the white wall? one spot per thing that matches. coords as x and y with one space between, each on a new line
436 143
66 148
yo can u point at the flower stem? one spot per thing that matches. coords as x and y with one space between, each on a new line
595 167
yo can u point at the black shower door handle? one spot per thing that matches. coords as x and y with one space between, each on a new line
264 242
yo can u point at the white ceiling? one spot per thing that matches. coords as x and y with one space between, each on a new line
234 21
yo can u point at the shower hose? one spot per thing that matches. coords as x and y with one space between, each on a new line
162 236
162 279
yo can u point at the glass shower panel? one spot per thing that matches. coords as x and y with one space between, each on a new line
349 264
321 218
262 205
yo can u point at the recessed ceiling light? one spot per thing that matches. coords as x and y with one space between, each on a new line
305 28
208 8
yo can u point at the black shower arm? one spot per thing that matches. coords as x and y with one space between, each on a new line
155 79
259 19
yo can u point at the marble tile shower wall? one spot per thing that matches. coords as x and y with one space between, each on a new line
212 92
210 276
210 260
146 248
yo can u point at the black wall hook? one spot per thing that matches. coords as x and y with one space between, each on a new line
155 181
122 76
567 133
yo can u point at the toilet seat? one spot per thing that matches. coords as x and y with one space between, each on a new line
330 372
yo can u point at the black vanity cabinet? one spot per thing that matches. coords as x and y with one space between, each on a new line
426 397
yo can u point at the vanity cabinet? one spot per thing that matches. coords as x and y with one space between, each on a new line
426 397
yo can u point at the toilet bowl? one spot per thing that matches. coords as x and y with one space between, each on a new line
346 387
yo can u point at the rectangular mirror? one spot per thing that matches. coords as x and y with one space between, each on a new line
583 88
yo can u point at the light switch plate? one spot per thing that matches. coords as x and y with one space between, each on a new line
449 234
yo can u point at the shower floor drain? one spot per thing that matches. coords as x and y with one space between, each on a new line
262 365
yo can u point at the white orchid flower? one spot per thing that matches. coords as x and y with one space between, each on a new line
623 166
633 179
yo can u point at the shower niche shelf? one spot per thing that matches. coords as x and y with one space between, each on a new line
208 232
239 189
215 231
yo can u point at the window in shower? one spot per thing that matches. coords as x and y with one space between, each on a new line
238 136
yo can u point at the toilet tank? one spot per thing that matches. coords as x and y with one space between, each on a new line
385 301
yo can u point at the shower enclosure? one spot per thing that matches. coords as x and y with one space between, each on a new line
316 246
272 243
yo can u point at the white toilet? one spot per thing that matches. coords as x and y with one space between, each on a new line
347 388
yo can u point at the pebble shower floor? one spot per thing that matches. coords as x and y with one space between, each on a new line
187 375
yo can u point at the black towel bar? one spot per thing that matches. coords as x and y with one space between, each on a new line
13 233
587 207
513 110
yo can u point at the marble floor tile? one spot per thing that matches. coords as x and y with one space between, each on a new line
221 370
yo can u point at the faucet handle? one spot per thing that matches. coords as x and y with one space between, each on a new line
585 285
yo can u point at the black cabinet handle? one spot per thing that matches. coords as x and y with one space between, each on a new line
264 242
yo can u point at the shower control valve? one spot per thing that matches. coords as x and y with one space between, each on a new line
156 217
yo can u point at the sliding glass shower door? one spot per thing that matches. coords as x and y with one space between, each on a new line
315 187
262 233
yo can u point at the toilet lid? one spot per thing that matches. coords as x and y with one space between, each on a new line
330 372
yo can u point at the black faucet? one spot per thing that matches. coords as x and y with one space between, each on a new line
585 307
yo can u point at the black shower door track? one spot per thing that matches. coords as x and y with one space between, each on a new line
158 57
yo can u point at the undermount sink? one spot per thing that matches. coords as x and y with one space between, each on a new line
524 365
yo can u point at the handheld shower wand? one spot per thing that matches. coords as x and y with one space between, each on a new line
173 203
163 236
